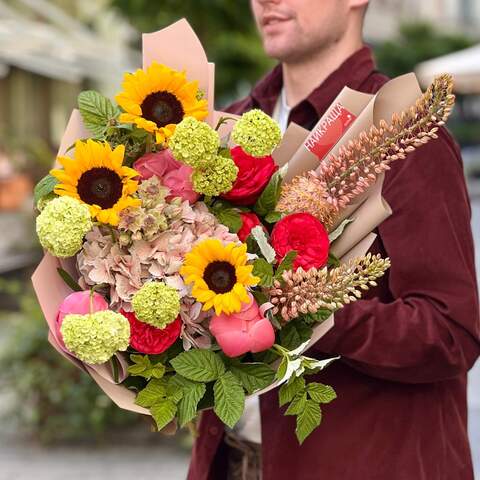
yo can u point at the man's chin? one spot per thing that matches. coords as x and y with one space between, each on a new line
280 51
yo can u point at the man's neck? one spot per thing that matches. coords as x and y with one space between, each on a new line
302 77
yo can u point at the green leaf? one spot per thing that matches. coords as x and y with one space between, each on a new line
286 263
229 399
44 187
314 365
339 230
332 261
97 111
193 392
143 367
174 393
154 392
267 201
66 277
163 413
282 368
298 404
273 217
260 297
308 420
266 249
263 270
198 365
230 218
253 376
317 317
288 390
321 393
294 334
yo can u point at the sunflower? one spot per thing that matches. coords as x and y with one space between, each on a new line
158 99
220 275
96 177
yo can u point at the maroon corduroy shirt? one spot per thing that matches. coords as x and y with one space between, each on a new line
401 411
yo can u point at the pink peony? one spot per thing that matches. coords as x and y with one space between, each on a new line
157 163
174 175
246 331
78 303
180 184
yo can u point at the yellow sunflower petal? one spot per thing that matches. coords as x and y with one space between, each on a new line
242 293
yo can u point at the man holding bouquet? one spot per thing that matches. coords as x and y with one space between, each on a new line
401 410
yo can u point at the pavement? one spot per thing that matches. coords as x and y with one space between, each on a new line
23 460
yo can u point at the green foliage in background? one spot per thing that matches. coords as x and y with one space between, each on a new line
51 398
415 43
225 28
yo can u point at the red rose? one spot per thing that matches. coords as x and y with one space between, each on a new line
305 234
253 176
249 221
151 340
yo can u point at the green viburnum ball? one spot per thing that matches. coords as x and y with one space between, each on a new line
62 224
216 179
95 338
156 304
194 143
257 133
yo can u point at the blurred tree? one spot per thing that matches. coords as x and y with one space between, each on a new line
225 28
415 43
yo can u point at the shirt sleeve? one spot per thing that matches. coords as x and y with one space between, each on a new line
429 330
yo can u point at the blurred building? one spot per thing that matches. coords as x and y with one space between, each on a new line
48 55
385 16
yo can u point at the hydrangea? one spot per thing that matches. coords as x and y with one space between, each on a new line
156 304
145 222
62 224
257 133
194 143
152 193
125 264
96 337
217 179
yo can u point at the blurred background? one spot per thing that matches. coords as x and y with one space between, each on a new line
52 416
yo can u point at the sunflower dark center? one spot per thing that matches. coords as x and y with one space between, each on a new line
220 276
162 108
100 186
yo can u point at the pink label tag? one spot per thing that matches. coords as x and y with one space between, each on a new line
327 134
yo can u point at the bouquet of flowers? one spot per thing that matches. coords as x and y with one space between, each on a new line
192 258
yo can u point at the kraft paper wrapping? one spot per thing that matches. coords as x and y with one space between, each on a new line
302 159
369 214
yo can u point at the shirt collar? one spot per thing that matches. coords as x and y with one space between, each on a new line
351 73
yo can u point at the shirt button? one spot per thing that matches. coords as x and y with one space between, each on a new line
213 431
